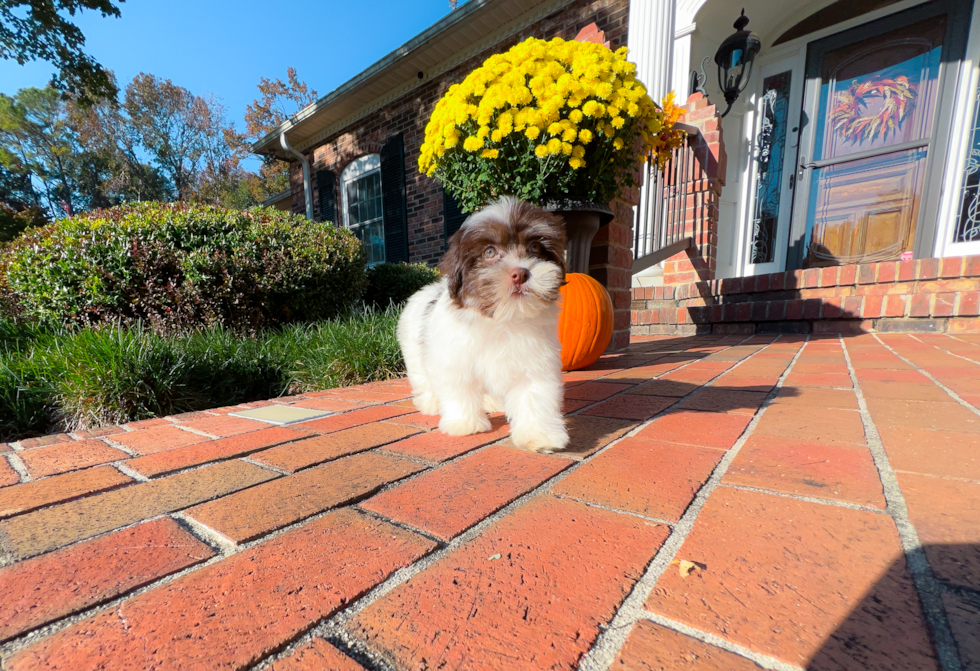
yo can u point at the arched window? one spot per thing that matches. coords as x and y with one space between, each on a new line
362 205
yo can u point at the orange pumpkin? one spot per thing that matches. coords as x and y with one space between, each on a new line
585 323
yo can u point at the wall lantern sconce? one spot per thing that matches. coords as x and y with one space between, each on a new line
734 59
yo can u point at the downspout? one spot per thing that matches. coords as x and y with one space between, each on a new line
307 187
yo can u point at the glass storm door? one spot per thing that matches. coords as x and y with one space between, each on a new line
871 133
774 131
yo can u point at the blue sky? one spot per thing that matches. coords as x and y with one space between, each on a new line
224 47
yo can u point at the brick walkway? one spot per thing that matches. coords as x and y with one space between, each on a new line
726 503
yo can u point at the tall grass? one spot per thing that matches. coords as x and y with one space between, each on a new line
72 379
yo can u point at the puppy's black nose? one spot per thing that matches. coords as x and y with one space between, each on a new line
519 276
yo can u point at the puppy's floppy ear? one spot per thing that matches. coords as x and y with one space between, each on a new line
452 267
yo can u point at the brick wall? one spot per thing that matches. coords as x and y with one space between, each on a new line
928 295
409 114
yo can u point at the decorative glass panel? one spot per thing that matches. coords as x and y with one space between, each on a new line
880 92
365 215
968 227
769 169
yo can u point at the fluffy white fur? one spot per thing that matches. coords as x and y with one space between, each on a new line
463 363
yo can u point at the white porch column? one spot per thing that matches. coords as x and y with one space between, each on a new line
651 45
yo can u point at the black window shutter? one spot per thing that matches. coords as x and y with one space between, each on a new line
451 213
325 181
393 198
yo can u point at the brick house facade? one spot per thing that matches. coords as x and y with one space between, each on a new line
429 217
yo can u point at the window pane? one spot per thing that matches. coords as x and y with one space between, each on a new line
364 204
353 219
968 227
772 150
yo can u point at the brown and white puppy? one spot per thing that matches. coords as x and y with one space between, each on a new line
485 337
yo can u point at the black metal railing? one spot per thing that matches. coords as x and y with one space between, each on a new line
659 229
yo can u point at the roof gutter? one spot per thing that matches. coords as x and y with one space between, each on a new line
307 187
454 17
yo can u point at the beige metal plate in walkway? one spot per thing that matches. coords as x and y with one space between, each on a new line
280 414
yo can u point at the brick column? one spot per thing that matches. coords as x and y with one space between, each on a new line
611 263
611 257
705 181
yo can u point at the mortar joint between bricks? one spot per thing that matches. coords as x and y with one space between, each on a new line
268 467
126 470
18 465
926 585
195 431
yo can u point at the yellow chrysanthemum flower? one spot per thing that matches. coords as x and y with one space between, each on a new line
570 90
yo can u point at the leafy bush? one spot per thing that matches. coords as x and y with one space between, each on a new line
78 378
181 265
395 282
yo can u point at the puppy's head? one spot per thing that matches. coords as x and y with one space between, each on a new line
507 261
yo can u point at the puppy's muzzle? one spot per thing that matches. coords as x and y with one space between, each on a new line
518 278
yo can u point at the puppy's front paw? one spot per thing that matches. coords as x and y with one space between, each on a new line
541 441
464 426
426 403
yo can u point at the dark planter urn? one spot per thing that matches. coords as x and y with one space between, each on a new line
582 221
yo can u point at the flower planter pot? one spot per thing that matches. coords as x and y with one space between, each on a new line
582 221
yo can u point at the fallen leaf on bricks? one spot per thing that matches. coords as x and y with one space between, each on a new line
686 568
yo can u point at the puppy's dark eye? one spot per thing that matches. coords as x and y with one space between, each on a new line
534 248
489 252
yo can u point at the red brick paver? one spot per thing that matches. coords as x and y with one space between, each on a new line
60 583
161 463
57 526
64 457
450 499
269 506
644 477
40 493
528 593
234 611
317 655
157 439
651 647
700 518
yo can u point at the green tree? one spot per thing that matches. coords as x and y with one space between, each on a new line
277 101
108 136
33 30
36 139
186 135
